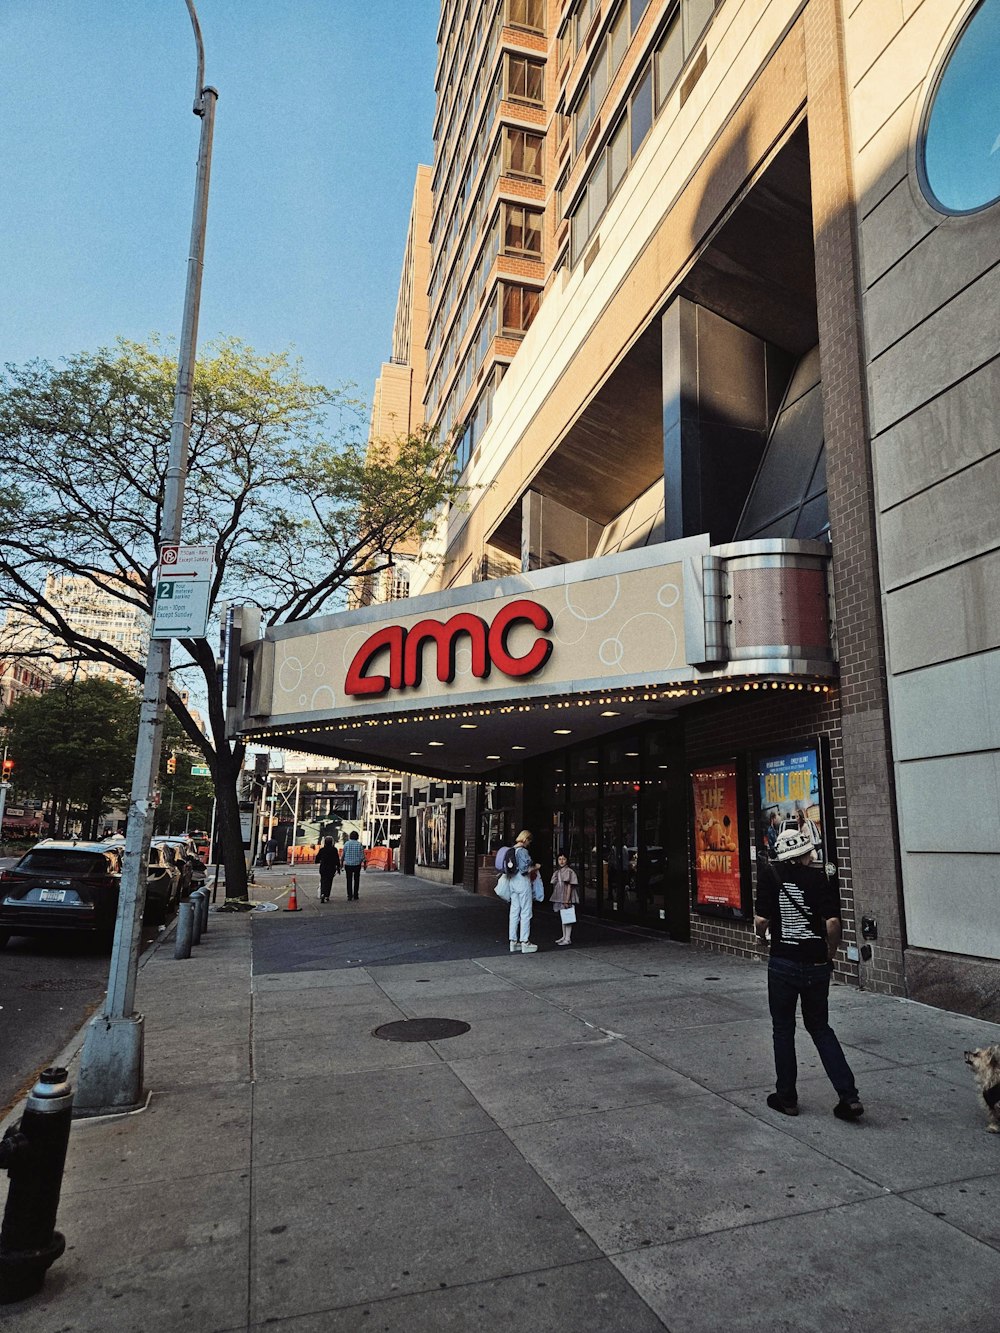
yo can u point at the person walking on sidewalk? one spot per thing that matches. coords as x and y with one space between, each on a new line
270 852
522 894
800 905
565 893
352 859
328 860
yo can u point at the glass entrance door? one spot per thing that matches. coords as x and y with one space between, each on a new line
581 852
620 856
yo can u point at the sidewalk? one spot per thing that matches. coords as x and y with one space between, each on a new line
593 1155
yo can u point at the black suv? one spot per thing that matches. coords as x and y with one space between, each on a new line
61 886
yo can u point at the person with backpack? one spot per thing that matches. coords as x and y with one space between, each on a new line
798 905
522 892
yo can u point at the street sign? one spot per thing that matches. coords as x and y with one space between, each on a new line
183 586
200 771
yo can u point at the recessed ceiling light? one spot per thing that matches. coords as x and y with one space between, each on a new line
468 726
562 731
492 756
631 754
591 761
518 747
610 714
438 743
416 752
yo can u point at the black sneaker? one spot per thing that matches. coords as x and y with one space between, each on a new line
848 1110
786 1108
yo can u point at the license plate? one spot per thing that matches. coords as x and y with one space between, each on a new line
52 895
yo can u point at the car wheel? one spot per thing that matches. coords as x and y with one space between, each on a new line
155 913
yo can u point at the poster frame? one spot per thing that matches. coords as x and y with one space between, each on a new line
726 912
821 745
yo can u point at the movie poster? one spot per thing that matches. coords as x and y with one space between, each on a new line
433 829
718 882
790 797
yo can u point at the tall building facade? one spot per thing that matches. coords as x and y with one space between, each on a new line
710 326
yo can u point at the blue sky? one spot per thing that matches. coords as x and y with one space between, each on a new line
325 109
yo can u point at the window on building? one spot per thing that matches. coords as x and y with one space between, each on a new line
525 80
582 16
959 152
520 306
696 16
528 14
636 9
641 110
668 59
522 232
523 154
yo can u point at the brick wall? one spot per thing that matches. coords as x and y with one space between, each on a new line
863 693
741 725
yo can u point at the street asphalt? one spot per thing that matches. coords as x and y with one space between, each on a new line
593 1154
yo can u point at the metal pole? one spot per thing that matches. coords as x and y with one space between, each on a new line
111 1062
295 820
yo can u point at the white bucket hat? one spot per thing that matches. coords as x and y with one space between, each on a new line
792 843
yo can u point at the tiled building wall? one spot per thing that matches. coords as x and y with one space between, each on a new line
929 287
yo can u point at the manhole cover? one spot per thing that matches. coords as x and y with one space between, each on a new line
62 983
421 1029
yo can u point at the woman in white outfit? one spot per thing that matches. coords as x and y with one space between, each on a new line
521 896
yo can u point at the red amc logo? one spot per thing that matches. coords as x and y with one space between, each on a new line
489 649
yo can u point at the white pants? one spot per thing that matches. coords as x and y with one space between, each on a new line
520 908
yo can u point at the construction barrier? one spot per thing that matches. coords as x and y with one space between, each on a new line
378 858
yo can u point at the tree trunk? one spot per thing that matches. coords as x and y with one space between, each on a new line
227 821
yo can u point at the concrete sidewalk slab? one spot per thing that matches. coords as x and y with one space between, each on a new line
881 1265
294 1171
397 1220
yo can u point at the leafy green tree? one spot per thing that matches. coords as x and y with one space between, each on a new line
179 789
73 747
295 516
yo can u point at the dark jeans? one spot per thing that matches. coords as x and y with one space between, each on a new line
787 983
353 876
325 884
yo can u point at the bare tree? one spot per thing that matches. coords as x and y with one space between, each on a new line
294 516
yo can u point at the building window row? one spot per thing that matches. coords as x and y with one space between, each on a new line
519 81
517 231
519 152
656 81
460 54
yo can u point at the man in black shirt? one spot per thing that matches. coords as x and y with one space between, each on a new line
799 904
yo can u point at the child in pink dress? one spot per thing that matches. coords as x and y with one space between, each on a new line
564 893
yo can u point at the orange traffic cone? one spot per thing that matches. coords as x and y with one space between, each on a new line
293 900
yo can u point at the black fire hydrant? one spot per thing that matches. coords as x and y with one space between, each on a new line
33 1153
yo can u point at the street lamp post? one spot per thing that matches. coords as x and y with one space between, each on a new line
111 1063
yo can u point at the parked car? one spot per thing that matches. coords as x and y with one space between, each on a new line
187 860
203 844
164 884
167 877
61 886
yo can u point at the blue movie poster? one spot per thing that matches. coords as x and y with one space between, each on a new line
789 795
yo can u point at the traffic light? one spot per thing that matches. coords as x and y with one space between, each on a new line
8 769
172 764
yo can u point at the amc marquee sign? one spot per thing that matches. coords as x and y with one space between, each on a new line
618 621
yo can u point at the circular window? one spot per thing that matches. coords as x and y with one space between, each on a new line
960 158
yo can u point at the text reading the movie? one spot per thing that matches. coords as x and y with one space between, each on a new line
489 648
